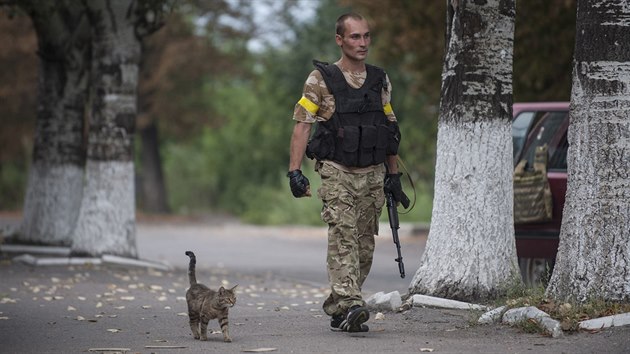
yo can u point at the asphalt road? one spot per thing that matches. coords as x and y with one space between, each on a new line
294 252
281 283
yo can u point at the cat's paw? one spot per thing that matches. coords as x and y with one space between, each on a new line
203 338
227 340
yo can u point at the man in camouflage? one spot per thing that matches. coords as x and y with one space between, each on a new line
352 193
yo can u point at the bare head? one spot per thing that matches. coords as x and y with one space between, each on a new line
353 37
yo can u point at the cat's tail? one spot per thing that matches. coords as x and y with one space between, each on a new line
191 268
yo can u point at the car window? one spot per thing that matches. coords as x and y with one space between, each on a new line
542 134
558 160
521 126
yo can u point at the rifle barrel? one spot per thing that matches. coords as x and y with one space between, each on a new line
395 224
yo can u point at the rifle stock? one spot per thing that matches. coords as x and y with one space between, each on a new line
394 223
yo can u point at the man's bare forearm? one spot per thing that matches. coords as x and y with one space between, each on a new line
299 140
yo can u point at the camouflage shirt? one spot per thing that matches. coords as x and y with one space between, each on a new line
318 104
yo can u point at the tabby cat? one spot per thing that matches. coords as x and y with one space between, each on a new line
205 304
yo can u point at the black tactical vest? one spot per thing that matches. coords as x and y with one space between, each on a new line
358 134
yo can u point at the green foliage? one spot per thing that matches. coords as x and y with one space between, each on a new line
226 112
13 179
277 206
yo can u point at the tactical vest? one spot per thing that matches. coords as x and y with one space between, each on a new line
358 134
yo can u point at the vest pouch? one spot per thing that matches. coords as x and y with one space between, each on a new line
368 143
322 145
382 140
350 137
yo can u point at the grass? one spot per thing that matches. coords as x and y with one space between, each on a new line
568 314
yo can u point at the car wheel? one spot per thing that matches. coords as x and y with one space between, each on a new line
535 271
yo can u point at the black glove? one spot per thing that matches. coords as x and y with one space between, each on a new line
300 186
393 186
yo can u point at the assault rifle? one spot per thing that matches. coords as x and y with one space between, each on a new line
394 224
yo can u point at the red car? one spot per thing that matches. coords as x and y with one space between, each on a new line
536 124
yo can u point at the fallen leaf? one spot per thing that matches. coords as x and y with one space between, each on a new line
113 330
146 306
260 350
80 318
109 350
4 318
70 308
165 347
379 316
426 350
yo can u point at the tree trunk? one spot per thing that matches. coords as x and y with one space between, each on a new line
471 252
106 222
55 179
593 258
153 190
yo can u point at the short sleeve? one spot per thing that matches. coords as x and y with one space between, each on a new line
386 97
316 103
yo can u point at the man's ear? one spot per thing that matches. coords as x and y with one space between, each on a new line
338 40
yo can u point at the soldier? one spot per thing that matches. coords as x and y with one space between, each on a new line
355 146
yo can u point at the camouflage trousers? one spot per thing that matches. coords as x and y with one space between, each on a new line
352 204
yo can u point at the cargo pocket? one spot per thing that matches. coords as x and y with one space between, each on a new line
368 143
350 146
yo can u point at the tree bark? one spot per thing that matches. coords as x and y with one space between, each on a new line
106 222
153 194
55 179
471 252
593 258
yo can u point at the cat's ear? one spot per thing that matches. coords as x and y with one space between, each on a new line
221 290
234 287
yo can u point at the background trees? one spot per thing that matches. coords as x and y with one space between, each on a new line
218 108
89 55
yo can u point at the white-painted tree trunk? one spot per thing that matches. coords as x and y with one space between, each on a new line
51 204
55 181
106 222
593 258
471 252
107 218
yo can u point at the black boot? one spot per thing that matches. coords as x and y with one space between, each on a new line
353 321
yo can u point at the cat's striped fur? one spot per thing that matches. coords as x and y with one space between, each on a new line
205 304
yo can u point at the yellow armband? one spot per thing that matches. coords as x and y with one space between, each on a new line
308 105
388 108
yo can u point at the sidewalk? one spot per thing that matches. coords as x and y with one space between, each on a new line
78 308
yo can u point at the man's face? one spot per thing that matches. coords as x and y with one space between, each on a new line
355 40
